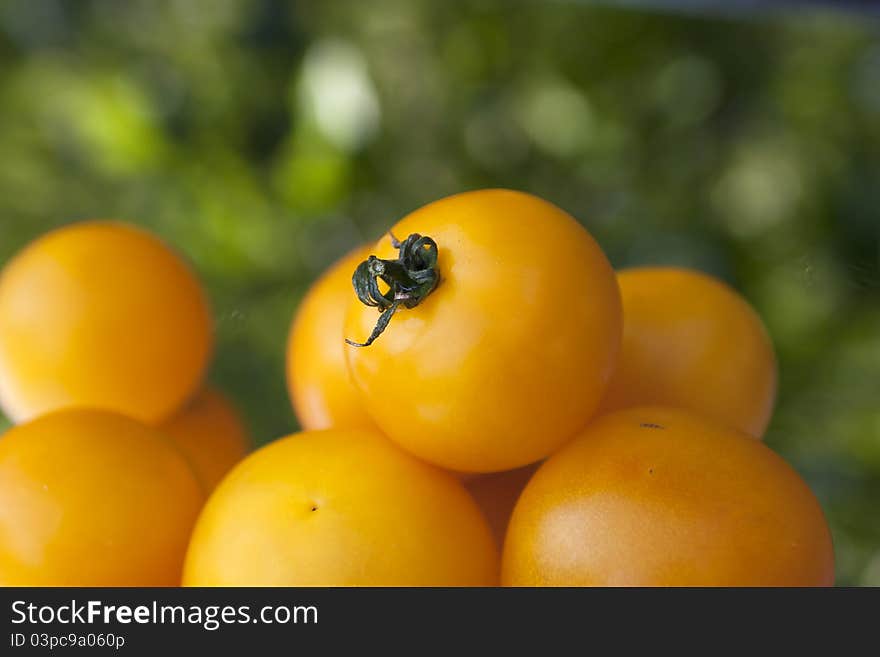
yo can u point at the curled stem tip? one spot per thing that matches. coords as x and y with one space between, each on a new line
410 278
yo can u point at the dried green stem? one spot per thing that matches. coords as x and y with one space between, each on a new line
410 278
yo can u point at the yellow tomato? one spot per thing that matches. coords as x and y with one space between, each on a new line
320 387
692 342
210 433
103 315
339 508
661 497
91 498
510 355
496 495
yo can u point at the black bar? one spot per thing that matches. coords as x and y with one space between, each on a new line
448 619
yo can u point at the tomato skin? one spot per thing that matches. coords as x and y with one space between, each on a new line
210 433
100 314
661 497
320 387
496 495
691 341
91 498
510 355
339 508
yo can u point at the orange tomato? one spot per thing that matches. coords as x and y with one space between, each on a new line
692 342
339 508
103 315
210 433
91 498
320 387
662 497
510 355
496 495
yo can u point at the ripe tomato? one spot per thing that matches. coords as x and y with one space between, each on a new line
510 355
496 495
660 497
339 508
91 498
320 387
692 342
103 315
211 435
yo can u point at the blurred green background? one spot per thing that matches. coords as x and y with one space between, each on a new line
264 139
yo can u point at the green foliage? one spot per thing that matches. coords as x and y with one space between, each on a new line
263 139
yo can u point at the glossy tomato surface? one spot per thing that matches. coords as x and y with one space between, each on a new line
510 355
100 314
318 381
340 508
691 341
211 434
91 498
662 497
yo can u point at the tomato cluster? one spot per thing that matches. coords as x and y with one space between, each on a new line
483 400
105 335
645 393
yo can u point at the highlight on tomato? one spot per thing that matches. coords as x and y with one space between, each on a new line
484 331
691 341
211 434
320 387
342 507
101 314
657 496
93 498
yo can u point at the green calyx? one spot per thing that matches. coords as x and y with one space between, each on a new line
410 279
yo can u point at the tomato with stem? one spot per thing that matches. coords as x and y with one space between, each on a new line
493 321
